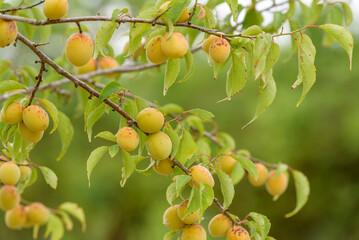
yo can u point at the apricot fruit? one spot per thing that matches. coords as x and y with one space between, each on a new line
262 175
219 50
276 186
171 219
13 113
164 167
191 218
15 218
108 63
238 233
194 232
174 47
154 51
25 170
200 174
9 173
29 136
207 43
38 214
55 9
227 163
127 138
35 118
184 16
79 49
159 145
150 120
8 32
91 66
9 198
219 225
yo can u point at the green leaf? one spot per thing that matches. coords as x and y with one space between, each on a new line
114 149
175 139
76 211
171 194
129 165
110 89
117 12
176 8
218 67
302 191
237 75
263 224
65 217
103 36
190 66
194 202
202 114
50 176
280 169
93 159
227 187
172 70
210 20
93 118
107 136
262 47
207 196
233 5
247 164
54 113
169 235
187 147
171 108
9 85
343 36
66 132
348 14
237 174
12 99
252 30
54 228
181 181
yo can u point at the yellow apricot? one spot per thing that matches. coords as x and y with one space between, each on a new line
219 225
8 32
164 167
184 16
13 113
9 173
29 136
191 218
276 186
25 170
262 175
150 120
15 218
200 174
159 145
9 198
207 43
79 49
174 47
238 233
194 232
38 214
219 50
35 118
108 63
127 138
227 164
171 219
154 51
91 66
55 9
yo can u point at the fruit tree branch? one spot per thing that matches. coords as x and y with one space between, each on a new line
22 8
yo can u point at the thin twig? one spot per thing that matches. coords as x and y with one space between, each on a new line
39 81
192 13
22 8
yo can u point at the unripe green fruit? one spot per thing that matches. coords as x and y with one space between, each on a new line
154 51
184 16
9 173
35 118
29 136
150 120
13 113
164 167
194 232
174 47
191 218
207 43
276 187
8 33
200 174
15 218
219 225
262 175
171 219
25 170
219 50
79 49
127 138
159 145
9 198
227 164
55 9
108 63
38 214
238 233
91 66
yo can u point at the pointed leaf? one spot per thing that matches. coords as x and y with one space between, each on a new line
50 176
54 113
9 85
227 187
76 211
302 191
202 114
237 75
103 36
247 164
93 159
110 89
66 132
172 70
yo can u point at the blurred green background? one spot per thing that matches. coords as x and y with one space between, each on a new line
320 138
